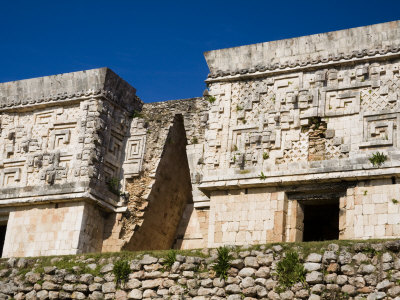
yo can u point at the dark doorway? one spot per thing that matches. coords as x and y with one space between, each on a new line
321 220
3 229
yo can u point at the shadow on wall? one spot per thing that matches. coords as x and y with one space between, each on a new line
170 193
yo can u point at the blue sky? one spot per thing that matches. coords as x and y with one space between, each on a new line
157 46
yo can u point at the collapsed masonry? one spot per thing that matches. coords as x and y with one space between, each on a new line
294 140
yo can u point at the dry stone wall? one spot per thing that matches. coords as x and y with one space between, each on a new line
368 270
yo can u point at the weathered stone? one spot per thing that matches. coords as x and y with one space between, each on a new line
376 296
247 282
314 258
309 266
246 272
149 294
78 295
54 295
349 290
273 295
108 287
50 286
42 295
148 260
329 256
262 272
251 262
383 285
232 289
360 258
366 269
176 290
314 277
218 282
151 284
107 268
96 296
394 291
135 294
86 278
288 295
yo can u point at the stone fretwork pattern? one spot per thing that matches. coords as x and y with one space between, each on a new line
62 139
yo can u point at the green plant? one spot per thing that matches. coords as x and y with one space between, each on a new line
136 114
238 108
113 185
365 193
370 91
244 121
194 140
265 155
395 201
121 271
377 159
170 259
234 148
222 264
244 171
290 271
262 176
273 98
211 99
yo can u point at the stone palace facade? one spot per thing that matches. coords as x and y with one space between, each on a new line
294 140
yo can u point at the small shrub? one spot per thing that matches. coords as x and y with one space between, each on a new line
223 262
244 171
395 201
365 193
238 107
194 140
234 148
170 259
136 114
211 99
265 155
290 271
377 159
121 271
262 176
113 185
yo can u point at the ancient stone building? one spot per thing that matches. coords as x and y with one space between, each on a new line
294 140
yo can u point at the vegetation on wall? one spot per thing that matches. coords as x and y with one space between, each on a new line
121 271
222 264
377 159
290 271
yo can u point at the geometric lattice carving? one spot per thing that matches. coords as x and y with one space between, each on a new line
333 151
298 150
373 100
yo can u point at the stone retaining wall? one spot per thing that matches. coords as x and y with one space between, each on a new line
368 270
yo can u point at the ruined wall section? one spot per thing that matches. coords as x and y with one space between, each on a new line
150 129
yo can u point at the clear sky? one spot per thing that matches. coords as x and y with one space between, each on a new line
157 46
